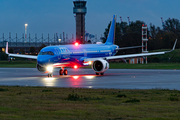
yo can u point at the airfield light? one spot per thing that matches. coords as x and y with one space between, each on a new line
89 77
26 30
76 44
59 40
75 66
75 77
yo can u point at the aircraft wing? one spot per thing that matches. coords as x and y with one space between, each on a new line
18 55
130 55
124 56
123 48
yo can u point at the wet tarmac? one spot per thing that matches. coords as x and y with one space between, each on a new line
86 78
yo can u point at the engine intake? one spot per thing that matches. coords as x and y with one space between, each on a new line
100 66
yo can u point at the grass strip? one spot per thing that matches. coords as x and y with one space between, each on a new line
79 103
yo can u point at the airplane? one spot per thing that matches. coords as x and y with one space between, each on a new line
77 55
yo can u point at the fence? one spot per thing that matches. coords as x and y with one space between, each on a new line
35 41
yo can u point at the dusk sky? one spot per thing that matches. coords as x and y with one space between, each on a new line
56 16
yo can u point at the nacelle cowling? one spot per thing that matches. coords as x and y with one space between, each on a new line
100 66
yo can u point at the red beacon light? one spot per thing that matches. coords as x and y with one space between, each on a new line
76 44
75 66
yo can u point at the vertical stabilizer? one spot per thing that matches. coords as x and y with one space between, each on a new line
111 36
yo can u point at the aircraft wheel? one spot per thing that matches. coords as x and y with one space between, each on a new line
102 73
61 72
50 75
97 73
65 72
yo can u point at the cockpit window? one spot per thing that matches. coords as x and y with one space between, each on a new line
46 53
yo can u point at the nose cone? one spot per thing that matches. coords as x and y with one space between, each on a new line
43 60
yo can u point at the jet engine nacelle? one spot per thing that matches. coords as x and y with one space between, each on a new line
100 66
41 68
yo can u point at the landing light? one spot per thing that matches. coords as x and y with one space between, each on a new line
90 62
87 63
49 69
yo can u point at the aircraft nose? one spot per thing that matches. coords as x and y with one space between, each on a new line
39 61
42 60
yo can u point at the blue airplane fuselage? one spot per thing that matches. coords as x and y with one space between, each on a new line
74 54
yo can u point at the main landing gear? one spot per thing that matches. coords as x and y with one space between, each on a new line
63 71
100 73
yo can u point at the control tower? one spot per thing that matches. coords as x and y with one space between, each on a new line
80 10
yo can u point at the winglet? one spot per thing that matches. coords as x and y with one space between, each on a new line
7 48
173 47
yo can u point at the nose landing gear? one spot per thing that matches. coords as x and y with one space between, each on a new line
50 75
50 70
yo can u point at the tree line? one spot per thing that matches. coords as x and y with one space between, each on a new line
158 38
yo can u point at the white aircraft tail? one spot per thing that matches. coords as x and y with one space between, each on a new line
7 48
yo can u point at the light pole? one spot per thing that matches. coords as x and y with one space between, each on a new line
25 30
59 40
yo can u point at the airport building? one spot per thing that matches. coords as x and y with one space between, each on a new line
22 43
